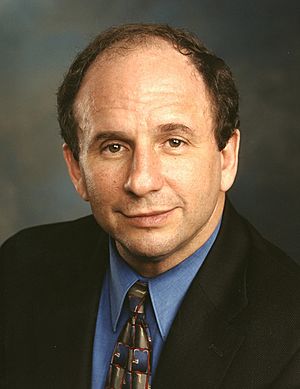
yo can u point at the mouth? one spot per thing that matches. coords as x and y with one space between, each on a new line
149 219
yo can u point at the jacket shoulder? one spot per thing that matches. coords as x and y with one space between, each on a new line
273 288
269 256
69 235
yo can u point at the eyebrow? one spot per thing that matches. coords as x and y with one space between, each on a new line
113 134
175 127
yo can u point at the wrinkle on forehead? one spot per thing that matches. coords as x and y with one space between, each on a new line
99 84
157 46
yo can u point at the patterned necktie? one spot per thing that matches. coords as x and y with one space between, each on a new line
130 365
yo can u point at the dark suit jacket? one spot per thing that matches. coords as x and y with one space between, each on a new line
238 327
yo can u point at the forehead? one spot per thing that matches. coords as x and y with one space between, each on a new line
143 78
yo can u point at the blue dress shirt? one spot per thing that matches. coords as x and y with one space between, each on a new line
166 291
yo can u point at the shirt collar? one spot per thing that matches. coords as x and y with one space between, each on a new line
166 291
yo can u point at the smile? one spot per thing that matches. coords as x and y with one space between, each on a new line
149 219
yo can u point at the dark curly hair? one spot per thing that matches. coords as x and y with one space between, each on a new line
215 73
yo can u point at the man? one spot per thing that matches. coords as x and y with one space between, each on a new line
150 122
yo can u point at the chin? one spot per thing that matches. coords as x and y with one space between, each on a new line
146 251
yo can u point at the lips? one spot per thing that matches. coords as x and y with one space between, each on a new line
148 214
149 219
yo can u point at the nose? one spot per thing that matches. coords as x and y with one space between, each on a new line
145 174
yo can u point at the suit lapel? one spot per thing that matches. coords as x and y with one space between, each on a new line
205 335
73 329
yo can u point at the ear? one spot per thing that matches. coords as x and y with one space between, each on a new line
229 161
75 173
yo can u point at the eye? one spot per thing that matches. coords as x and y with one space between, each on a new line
113 148
175 142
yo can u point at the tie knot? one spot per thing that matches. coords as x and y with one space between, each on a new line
137 295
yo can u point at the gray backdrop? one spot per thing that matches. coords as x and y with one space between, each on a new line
259 39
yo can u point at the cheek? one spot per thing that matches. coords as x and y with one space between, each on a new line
195 176
103 185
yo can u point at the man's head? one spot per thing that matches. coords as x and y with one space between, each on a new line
150 157
119 40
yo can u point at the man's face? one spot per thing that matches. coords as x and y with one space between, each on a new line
149 163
